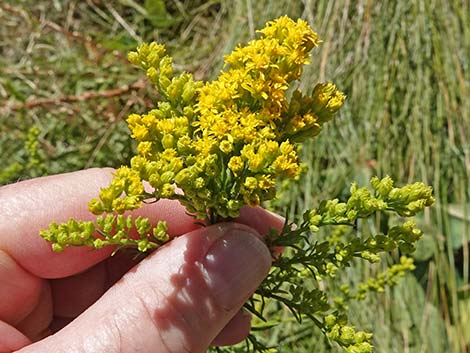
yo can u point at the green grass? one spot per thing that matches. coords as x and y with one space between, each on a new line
403 64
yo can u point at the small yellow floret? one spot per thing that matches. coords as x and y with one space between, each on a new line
236 164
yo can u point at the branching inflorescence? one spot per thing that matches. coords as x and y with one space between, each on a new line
220 145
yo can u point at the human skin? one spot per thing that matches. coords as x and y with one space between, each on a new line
183 297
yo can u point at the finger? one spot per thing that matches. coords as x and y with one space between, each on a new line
176 300
72 295
263 221
235 331
11 338
36 325
19 290
29 206
260 219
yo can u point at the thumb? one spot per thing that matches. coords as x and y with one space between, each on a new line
176 300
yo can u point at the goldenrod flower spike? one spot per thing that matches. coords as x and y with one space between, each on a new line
220 145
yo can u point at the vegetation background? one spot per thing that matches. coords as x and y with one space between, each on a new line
66 89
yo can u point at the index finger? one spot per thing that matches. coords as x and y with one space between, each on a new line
30 206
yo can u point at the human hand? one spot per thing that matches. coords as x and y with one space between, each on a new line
184 297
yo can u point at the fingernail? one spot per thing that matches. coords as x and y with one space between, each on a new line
276 216
235 266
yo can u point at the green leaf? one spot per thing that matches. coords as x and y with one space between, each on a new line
420 319
14 89
157 14
460 328
121 42
459 222
425 247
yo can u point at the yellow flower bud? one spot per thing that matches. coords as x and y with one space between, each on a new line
133 119
226 146
96 207
167 190
133 58
250 183
144 148
168 141
139 132
152 75
236 164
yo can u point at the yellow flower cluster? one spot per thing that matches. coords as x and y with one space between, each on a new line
225 143
112 230
125 181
